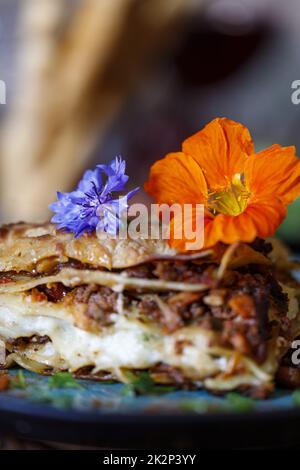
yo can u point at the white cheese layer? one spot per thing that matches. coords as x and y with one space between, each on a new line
129 343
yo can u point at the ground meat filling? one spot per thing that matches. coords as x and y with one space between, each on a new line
54 293
175 271
166 374
22 343
237 306
288 377
237 309
250 297
101 302
194 271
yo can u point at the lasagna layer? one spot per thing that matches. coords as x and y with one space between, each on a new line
221 318
127 344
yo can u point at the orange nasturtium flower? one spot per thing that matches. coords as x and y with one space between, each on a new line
245 194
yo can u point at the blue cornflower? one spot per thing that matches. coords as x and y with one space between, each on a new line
92 205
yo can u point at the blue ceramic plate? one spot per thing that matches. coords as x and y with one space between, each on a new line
108 415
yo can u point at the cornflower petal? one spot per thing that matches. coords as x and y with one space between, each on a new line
92 204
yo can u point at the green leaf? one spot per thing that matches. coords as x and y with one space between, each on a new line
46 396
19 380
63 380
296 397
233 402
196 405
238 403
141 383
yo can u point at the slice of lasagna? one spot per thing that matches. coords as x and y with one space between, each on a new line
220 319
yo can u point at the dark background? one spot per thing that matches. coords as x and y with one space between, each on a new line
234 58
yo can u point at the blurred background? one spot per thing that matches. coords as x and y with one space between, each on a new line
90 79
